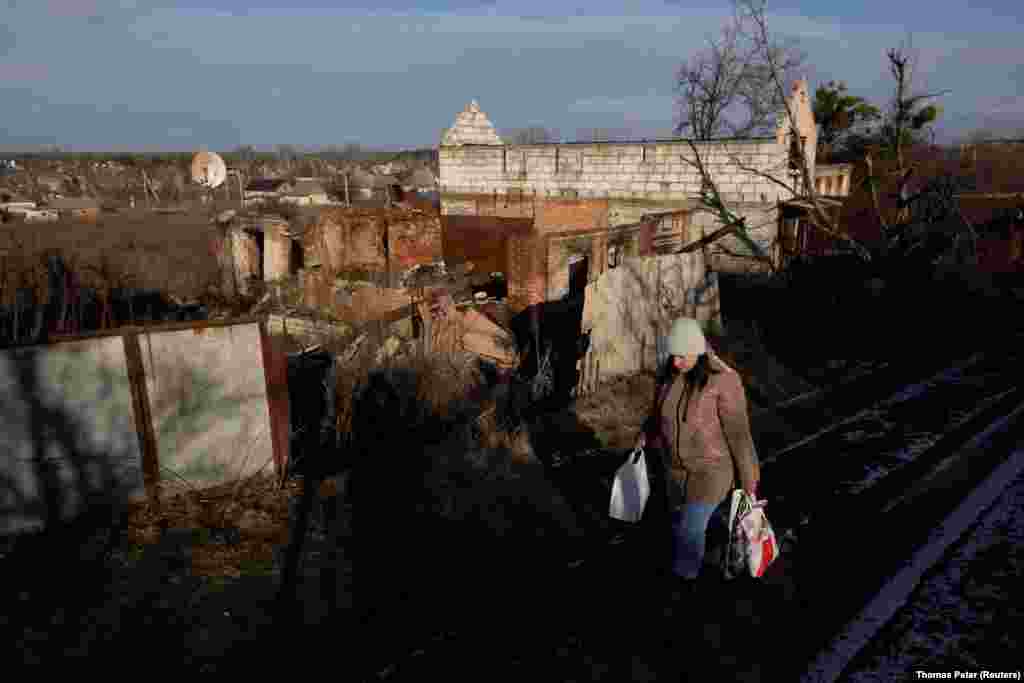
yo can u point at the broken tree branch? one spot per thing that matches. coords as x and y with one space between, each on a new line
712 199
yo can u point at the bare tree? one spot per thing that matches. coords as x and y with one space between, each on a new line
771 60
928 213
725 89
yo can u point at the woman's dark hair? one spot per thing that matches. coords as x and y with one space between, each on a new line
697 376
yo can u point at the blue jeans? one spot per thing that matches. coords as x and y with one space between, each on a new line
689 538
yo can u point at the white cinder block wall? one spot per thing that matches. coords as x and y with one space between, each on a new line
639 177
661 171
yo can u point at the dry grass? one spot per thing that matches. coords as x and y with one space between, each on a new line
617 409
258 508
170 253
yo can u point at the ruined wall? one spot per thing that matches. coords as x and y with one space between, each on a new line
616 170
595 246
629 309
627 212
246 255
729 254
800 106
276 249
570 215
414 240
481 176
482 240
527 271
374 240
373 303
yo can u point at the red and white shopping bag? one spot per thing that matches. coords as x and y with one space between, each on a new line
759 538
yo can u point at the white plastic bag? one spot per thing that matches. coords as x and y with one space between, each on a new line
630 489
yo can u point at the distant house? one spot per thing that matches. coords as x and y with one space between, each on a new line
261 189
420 180
389 168
15 205
50 183
36 215
306 192
82 208
360 184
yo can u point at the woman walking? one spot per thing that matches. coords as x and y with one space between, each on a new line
699 422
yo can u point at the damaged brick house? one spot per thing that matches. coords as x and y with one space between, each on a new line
356 260
593 203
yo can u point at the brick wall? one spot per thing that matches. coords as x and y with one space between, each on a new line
682 221
527 271
347 239
482 240
414 240
565 215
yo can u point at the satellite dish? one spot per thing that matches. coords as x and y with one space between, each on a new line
208 169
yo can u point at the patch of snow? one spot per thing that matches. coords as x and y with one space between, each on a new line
953 611
830 663
917 445
878 410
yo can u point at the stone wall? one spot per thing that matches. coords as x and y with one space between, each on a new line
661 171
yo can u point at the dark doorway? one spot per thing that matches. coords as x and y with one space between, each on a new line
296 258
578 270
256 236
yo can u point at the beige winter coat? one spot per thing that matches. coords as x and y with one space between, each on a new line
706 440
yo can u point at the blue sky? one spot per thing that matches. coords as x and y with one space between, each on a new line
153 74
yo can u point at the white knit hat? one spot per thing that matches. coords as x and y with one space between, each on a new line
686 338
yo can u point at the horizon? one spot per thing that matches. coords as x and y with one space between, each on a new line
151 76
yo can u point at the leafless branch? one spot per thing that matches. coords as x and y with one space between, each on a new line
721 89
755 12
